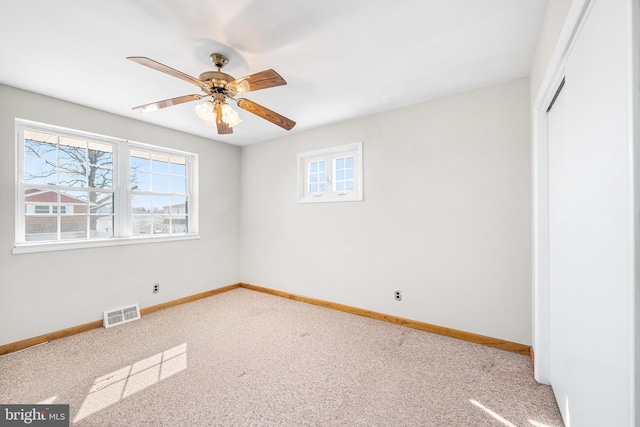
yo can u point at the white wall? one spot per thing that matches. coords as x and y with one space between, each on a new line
446 216
44 292
593 215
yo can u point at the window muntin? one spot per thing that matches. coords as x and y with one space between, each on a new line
331 174
68 189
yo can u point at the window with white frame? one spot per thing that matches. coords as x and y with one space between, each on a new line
159 199
331 174
84 189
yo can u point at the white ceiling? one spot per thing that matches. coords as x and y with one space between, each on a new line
342 59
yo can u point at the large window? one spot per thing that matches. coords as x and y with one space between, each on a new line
79 189
331 174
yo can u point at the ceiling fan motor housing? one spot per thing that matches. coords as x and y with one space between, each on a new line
218 80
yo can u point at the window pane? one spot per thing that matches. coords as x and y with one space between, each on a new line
71 149
321 188
140 204
40 149
349 174
160 164
73 227
160 183
350 185
100 154
178 184
140 161
323 166
178 206
178 165
339 186
72 175
101 225
322 177
39 171
141 224
100 177
349 162
313 188
161 204
101 203
179 225
39 228
339 175
339 163
313 178
314 167
140 180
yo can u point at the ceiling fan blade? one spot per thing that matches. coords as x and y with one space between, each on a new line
262 80
223 128
142 60
166 103
266 114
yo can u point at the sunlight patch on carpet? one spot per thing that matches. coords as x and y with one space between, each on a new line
493 414
111 388
537 423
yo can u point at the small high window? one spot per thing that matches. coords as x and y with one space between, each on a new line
331 174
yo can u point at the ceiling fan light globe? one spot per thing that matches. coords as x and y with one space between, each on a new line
230 116
206 112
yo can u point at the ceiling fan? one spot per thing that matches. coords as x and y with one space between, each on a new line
218 87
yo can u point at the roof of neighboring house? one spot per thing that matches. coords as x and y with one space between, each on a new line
48 196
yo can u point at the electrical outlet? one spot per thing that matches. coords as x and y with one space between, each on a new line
397 295
156 288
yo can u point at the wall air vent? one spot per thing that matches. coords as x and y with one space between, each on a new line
121 315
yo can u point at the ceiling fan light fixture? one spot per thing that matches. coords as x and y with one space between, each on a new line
206 112
230 116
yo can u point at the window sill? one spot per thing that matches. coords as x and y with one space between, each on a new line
332 197
25 248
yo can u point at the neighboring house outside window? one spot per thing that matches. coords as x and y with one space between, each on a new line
44 214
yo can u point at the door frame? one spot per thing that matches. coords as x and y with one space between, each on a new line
552 79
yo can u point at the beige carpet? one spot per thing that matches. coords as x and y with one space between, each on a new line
244 358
